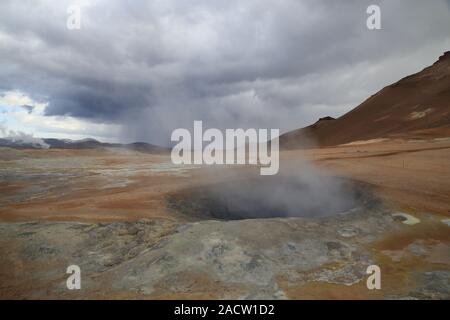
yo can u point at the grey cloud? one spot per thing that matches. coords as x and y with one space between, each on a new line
28 108
157 65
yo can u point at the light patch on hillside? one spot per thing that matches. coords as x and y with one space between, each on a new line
419 114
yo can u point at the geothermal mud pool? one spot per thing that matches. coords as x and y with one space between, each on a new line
271 197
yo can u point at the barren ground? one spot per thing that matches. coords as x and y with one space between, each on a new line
108 212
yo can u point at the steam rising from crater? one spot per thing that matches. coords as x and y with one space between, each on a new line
300 190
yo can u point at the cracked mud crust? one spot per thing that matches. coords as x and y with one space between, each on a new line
279 258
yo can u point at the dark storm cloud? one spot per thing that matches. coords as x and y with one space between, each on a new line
157 65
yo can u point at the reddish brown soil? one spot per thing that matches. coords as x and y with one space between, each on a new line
417 106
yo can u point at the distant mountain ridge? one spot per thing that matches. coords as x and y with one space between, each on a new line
89 143
417 106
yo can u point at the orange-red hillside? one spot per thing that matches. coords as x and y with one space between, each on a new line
417 106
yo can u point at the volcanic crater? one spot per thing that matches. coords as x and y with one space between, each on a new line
271 197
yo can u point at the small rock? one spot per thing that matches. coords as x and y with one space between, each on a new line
406 218
348 232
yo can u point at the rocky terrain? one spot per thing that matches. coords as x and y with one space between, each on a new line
249 259
112 214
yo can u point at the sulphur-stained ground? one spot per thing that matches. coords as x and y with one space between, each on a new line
133 224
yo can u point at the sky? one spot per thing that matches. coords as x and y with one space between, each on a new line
137 70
